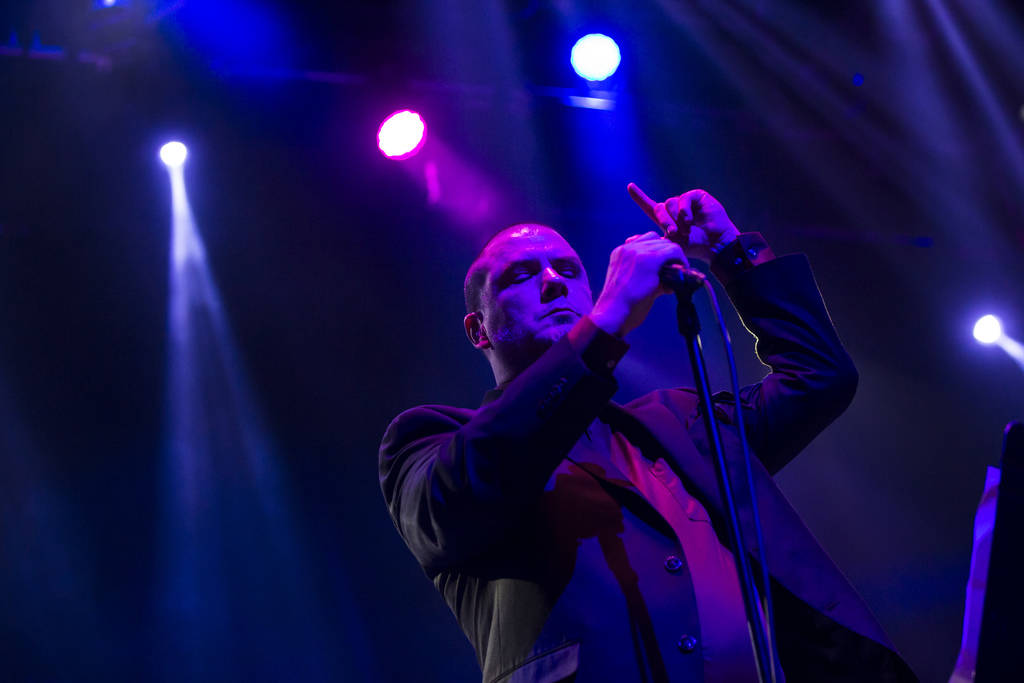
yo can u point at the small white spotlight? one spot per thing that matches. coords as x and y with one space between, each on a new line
595 57
988 329
173 154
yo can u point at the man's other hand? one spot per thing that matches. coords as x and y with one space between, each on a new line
695 220
634 282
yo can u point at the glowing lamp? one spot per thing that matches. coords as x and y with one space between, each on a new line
595 57
173 154
988 329
402 134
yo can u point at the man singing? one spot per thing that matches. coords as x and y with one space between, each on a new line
576 539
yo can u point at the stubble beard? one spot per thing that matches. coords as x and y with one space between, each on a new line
520 347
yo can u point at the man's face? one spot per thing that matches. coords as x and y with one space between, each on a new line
535 291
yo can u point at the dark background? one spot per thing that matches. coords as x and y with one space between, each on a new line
883 140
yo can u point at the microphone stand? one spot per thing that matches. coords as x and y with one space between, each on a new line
685 283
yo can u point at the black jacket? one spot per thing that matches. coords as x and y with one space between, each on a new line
554 570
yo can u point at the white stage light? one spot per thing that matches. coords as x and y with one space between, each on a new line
173 154
595 57
988 329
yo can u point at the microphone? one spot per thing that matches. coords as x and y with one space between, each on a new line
680 279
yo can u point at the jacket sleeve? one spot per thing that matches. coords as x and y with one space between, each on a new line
812 379
455 481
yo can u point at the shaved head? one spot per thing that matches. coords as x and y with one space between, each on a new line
524 291
472 286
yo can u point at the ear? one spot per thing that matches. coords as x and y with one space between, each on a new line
475 331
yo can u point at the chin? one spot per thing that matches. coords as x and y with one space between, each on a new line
553 333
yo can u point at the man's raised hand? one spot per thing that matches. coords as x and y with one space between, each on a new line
694 220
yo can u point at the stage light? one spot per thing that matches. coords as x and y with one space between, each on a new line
173 154
402 134
595 57
988 329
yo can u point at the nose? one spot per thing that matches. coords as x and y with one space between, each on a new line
553 285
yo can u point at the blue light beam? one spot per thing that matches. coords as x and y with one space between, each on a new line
229 547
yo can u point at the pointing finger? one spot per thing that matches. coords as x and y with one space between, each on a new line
642 200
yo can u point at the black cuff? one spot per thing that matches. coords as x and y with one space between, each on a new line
749 249
600 351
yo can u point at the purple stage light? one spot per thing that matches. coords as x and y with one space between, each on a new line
595 57
402 134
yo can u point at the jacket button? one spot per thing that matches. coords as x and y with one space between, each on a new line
673 564
687 644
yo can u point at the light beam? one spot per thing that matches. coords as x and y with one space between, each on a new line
227 532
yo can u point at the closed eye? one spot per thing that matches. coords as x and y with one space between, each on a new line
519 275
567 267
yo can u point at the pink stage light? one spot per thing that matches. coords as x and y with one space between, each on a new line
402 134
